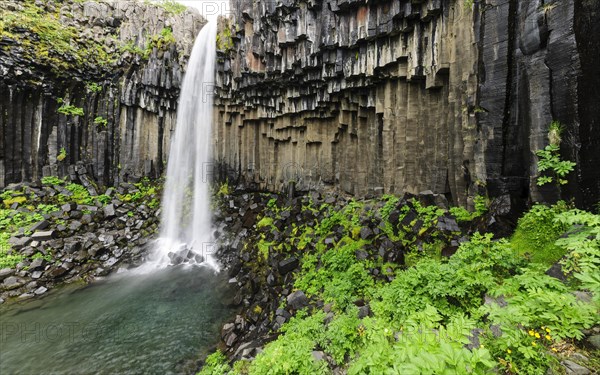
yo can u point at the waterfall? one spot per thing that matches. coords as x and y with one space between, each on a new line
186 230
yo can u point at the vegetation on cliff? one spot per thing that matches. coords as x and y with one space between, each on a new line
50 35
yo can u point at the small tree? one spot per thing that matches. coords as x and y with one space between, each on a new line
555 169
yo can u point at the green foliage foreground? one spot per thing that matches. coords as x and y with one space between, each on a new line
490 308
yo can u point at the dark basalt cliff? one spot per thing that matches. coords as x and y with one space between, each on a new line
121 62
393 96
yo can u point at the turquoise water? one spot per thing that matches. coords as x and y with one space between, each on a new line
127 324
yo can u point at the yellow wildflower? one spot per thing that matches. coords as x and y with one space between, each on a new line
548 330
533 343
554 349
508 351
531 333
537 335
548 337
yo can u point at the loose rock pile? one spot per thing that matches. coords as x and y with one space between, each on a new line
77 242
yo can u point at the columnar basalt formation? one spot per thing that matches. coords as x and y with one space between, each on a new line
394 96
129 101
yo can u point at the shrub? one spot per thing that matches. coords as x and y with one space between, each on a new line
70 110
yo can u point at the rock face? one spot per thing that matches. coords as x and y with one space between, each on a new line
129 103
387 97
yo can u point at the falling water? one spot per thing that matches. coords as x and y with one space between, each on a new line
186 231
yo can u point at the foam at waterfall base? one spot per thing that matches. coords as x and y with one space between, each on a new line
168 252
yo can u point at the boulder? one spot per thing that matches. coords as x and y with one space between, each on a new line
40 225
43 235
18 243
12 282
288 265
6 272
109 211
297 300
366 233
572 368
37 264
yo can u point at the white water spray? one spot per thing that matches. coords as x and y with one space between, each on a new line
186 229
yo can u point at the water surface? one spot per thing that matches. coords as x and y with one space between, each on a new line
127 324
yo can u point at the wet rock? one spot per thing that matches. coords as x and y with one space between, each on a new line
366 233
40 225
474 341
12 282
25 296
31 286
109 211
297 300
43 235
72 246
37 264
18 243
579 357
318 355
67 207
364 311
573 368
110 262
6 272
57 271
556 272
448 224
594 341
230 339
361 255
247 350
288 265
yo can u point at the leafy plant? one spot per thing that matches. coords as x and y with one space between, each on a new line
70 110
93 87
101 121
224 189
550 161
52 180
291 353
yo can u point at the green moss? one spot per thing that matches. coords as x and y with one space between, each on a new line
49 42
224 40
62 155
537 232
171 6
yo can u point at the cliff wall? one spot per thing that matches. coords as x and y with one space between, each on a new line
393 96
119 62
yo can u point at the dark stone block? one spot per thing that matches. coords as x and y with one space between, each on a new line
288 265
